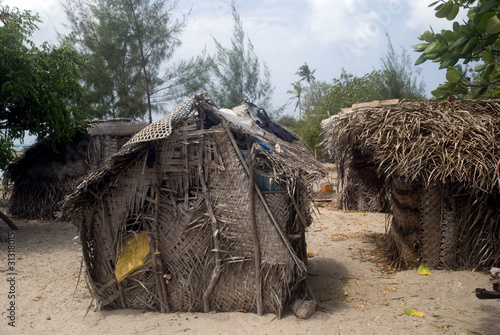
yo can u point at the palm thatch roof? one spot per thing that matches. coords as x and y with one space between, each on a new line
43 175
224 233
426 141
423 152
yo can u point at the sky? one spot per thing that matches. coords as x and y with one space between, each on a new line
328 35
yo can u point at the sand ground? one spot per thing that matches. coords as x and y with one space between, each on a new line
357 293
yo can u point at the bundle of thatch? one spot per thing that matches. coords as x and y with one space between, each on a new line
439 161
43 175
206 209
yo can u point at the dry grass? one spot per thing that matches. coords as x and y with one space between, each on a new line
41 176
380 254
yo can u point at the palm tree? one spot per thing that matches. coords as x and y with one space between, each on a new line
306 74
297 91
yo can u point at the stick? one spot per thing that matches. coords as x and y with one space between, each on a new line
186 167
154 260
215 235
8 221
297 209
215 230
122 296
157 252
255 234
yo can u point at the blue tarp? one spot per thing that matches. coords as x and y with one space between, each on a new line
264 183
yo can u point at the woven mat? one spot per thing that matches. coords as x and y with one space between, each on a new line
430 222
163 127
115 128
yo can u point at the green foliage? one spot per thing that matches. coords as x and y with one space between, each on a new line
183 79
343 92
306 74
114 81
348 90
287 121
7 153
39 87
313 96
128 41
308 127
238 74
297 93
398 79
474 43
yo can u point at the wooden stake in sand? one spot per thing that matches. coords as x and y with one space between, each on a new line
8 221
213 222
157 252
154 244
255 234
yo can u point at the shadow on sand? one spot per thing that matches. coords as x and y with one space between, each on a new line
328 279
489 323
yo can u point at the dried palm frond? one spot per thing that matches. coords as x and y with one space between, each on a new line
428 141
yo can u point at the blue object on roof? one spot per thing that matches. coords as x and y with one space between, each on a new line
265 183
263 144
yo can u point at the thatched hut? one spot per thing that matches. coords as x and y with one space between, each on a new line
439 162
358 185
42 175
203 210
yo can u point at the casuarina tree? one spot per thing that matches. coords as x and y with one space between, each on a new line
130 44
238 74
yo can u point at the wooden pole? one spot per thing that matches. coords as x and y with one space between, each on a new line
186 169
255 234
8 221
158 252
122 296
299 213
154 260
215 235
213 223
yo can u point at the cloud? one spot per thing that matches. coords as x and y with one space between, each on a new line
421 17
51 14
274 26
355 26
331 22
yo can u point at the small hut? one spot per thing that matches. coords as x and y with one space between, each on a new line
203 210
42 175
359 187
439 163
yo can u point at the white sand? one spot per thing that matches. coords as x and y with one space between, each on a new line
357 297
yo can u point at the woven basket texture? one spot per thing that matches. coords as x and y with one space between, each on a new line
431 225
